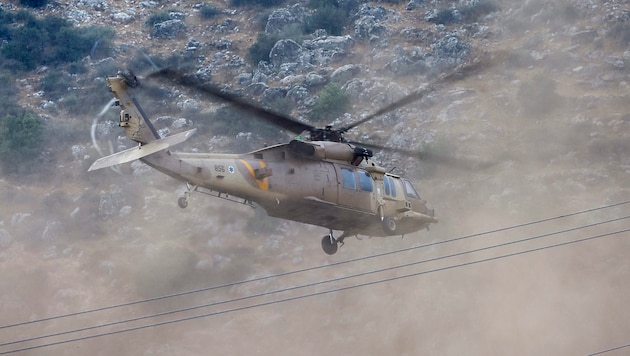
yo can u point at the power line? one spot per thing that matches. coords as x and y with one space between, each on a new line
308 269
314 294
338 279
323 292
610 350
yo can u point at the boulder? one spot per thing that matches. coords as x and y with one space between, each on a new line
344 73
285 51
169 29
414 4
281 19
368 25
329 43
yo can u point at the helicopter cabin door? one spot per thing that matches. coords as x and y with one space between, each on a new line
356 188
325 177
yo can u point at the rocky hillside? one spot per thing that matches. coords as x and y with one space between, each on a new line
536 125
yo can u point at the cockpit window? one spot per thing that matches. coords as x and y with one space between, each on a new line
410 190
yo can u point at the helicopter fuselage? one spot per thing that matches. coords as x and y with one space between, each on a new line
329 193
330 184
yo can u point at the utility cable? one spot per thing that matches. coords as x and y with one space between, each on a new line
308 269
304 296
610 350
314 283
338 279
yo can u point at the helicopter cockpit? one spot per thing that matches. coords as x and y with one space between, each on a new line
410 191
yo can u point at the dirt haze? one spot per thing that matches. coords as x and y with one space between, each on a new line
545 133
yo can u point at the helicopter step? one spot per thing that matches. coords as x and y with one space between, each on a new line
183 200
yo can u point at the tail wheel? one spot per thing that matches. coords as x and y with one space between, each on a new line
389 225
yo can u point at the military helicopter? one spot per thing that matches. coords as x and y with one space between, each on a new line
324 179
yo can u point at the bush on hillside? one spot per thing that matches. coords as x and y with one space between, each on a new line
328 15
228 121
34 3
259 51
333 102
51 41
330 18
208 11
21 142
157 18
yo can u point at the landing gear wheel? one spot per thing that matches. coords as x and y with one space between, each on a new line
329 244
389 225
182 202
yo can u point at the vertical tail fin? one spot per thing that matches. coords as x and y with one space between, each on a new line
132 118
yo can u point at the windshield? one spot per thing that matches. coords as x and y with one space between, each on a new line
410 190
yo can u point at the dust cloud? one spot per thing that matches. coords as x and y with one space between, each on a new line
554 128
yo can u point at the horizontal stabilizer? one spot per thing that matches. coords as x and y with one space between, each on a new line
141 151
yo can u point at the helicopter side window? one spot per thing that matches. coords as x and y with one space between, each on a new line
349 180
390 186
410 190
365 181
391 182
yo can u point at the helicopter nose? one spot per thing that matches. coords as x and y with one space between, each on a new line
423 218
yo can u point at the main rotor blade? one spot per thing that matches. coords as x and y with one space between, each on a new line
459 72
417 95
433 157
283 121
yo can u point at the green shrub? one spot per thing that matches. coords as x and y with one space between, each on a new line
259 51
34 3
468 12
328 15
52 41
332 103
21 142
7 89
208 11
330 18
229 121
54 85
445 17
157 18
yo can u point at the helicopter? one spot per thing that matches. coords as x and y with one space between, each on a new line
324 179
